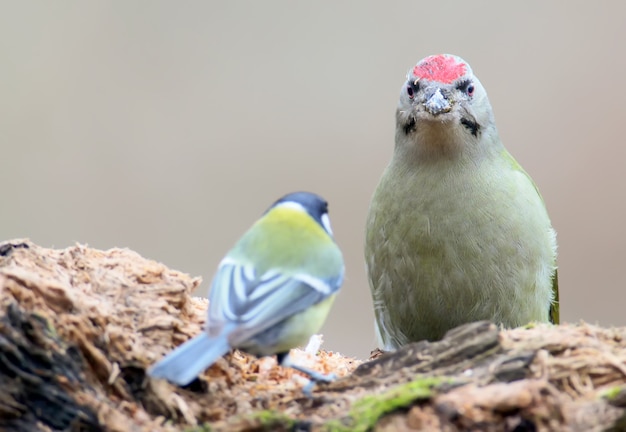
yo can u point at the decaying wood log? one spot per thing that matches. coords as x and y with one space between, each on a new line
79 327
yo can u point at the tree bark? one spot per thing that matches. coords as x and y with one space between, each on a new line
79 327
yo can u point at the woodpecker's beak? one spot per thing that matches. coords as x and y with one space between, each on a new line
437 103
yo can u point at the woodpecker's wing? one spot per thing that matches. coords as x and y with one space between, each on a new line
554 307
555 317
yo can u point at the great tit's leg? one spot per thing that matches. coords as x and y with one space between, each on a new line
315 377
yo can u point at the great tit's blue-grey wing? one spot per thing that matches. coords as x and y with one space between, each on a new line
257 302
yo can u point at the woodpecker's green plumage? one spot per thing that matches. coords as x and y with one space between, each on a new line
457 231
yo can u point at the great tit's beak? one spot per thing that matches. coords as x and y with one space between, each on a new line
437 103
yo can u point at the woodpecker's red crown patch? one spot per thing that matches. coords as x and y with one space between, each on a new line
442 68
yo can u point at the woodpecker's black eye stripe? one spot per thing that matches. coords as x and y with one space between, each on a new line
409 126
471 125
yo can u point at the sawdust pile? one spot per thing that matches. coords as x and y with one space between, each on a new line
79 327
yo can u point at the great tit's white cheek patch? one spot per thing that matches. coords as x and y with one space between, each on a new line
326 223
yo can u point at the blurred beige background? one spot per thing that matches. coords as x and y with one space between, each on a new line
169 127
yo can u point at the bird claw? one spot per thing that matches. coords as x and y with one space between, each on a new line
308 389
316 377
325 378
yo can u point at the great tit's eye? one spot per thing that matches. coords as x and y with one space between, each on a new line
409 91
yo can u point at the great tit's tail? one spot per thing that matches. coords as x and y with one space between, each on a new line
186 362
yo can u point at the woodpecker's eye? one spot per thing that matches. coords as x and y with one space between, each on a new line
466 87
412 87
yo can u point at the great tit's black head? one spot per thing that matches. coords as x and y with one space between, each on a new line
313 204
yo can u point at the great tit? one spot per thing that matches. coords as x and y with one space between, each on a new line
271 292
456 231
